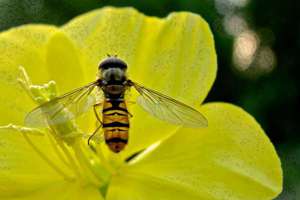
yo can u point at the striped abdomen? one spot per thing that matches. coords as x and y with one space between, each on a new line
115 124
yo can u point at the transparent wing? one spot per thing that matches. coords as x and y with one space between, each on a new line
168 109
63 108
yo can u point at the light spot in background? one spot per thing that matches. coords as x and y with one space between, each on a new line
245 46
248 57
266 59
234 24
238 3
227 6
223 7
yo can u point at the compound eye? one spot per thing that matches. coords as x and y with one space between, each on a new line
101 66
112 62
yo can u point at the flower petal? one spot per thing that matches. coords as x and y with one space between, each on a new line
59 191
231 159
65 66
174 55
64 63
22 169
24 174
26 46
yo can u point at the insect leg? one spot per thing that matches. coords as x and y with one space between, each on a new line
94 133
130 115
96 113
98 118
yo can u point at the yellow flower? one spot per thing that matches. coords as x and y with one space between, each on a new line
230 159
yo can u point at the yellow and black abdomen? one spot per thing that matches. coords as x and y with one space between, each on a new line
115 124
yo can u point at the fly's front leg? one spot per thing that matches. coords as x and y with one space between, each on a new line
129 114
128 103
98 119
94 133
96 113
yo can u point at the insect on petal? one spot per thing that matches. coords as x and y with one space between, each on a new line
173 55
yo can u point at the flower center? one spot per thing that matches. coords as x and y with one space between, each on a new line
77 161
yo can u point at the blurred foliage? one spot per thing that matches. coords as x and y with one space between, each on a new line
271 96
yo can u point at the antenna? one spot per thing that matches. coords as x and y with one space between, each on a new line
110 55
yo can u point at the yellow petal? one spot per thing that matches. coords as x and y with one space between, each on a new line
231 159
23 170
26 46
174 55
65 67
64 63
59 191
24 174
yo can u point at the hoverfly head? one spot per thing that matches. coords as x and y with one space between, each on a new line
113 70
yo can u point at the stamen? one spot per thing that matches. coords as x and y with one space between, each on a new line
86 165
75 167
25 82
47 160
58 152
107 166
75 158
22 129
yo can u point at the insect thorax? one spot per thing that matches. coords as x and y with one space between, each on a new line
113 82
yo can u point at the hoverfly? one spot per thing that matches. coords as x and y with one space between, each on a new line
113 83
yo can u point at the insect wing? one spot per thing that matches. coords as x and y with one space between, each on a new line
63 108
168 109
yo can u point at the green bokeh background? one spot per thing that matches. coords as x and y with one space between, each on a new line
269 91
